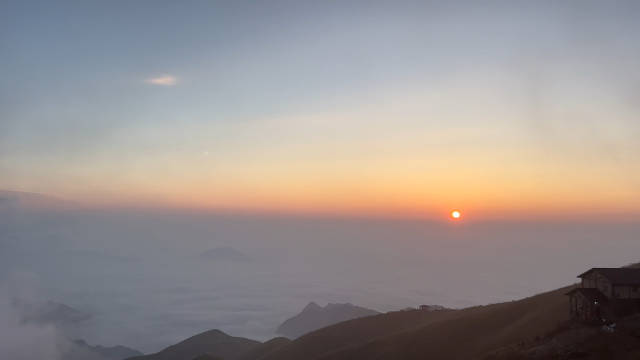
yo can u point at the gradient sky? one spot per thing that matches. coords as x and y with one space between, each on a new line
497 108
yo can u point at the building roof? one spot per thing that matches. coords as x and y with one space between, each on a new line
617 276
590 293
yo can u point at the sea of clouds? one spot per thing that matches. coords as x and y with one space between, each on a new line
150 279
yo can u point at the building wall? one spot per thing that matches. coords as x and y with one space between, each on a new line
596 280
583 309
626 292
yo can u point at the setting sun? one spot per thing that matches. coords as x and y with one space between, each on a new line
456 214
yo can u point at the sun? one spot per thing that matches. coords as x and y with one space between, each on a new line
456 214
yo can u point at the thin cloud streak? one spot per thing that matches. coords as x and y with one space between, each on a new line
163 80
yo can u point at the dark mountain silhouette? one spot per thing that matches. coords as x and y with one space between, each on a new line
262 350
208 357
212 342
314 317
216 345
224 253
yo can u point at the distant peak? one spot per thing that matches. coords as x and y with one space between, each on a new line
224 253
314 317
80 342
216 332
312 306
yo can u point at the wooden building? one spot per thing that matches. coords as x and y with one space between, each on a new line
605 294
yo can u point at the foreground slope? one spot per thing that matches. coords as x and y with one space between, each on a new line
355 332
579 341
451 334
212 342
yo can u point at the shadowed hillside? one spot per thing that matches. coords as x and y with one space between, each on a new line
580 341
439 335
208 357
448 334
536 327
261 351
212 342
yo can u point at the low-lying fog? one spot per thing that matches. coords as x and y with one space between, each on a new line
151 279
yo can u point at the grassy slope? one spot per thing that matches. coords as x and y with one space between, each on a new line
461 334
356 331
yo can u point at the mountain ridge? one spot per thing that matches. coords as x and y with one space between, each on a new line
513 330
314 316
212 342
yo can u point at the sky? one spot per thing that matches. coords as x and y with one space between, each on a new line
501 109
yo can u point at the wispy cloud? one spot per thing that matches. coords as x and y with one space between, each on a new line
162 80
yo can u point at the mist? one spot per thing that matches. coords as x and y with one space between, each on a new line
152 278
22 341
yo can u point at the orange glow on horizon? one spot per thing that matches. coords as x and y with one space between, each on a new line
389 202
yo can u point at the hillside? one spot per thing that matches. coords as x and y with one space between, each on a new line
536 327
410 334
532 328
314 317
355 332
263 350
439 334
212 342
578 341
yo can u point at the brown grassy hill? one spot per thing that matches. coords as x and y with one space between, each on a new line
579 341
353 332
454 334
212 342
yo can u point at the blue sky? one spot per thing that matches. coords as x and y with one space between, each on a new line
110 100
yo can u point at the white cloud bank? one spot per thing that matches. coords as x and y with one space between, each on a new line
20 340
